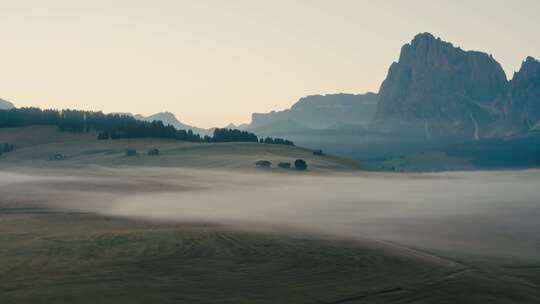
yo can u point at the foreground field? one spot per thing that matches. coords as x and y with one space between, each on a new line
61 257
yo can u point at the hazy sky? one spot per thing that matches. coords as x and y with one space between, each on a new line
215 62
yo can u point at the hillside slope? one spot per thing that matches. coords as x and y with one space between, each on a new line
5 105
37 144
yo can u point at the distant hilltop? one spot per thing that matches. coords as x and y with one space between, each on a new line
6 105
169 118
317 112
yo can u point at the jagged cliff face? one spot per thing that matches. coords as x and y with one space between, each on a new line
521 105
440 90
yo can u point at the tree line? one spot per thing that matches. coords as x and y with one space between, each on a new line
233 135
276 141
113 126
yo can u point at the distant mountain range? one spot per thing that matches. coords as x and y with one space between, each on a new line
317 112
169 118
434 92
435 97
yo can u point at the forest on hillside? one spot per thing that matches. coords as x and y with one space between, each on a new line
113 126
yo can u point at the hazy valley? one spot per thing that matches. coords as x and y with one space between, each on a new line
425 191
199 222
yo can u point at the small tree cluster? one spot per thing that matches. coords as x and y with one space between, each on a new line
232 135
103 135
276 141
300 165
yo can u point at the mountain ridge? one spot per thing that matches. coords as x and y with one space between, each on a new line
435 97
435 91
6 105
168 118
316 112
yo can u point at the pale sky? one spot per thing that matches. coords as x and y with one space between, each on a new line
216 62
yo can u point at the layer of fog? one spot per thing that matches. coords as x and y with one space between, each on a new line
472 213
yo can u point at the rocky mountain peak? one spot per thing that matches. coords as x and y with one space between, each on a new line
530 68
443 89
425 49
530 60
522 103
166 115
423 36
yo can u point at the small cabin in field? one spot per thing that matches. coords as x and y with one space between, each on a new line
57 156
131 152
318 152
263 164
284 165
153 152
6 147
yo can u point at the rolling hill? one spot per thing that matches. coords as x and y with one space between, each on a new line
37 144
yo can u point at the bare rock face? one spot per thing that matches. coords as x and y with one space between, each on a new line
440 90
522 103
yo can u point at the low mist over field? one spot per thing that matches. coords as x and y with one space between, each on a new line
474 213
270 152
